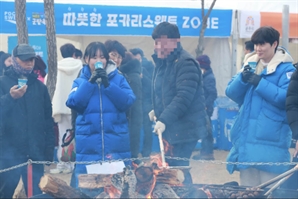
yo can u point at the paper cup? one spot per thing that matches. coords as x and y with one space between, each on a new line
253 66
22 82
98 65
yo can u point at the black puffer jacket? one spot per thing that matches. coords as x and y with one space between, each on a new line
178 97
148 66
210 91
292 104
26 123
132 72
146 91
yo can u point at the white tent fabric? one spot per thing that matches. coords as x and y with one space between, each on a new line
253 5
218 49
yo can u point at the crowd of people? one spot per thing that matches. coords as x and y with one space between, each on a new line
108 94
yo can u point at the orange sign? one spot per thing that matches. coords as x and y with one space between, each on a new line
275 20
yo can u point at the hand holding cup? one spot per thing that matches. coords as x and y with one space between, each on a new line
16 92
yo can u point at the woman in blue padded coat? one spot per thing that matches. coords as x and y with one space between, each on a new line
101 97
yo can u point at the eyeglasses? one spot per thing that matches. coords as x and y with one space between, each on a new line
115 55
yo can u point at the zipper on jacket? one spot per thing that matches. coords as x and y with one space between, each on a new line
101 122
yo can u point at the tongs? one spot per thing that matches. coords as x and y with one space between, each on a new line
280 178
162 153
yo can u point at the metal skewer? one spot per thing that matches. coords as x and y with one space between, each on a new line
277 184
277 178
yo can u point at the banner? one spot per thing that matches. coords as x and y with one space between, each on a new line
115 20
249 22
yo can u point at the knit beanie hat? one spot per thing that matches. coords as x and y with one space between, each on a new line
204 62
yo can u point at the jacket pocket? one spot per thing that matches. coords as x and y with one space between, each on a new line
269 125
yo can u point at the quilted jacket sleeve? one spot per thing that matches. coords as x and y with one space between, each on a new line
236 89
188 79
121 95
80 95
275 94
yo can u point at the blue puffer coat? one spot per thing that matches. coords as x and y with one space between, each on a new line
101 125
261 132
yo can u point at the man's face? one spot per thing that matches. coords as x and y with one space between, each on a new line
27 64
164 46
246 51
265 51
138 57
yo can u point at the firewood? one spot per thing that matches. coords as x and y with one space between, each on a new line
57 188
103 195
163 191
170 176
94 181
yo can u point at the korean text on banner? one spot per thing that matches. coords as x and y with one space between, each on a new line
249 22
116 20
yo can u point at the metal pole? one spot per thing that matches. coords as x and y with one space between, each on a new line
234 44
285 26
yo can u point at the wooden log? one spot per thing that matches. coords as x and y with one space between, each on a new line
170 176
163 191
58 188
102 195
94 181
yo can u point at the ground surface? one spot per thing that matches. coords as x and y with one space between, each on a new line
202 173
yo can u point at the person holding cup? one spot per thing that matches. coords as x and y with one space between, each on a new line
261 132
101 96
26 124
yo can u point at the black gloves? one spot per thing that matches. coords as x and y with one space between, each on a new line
102 73
254 79
94 76
250 77
246 73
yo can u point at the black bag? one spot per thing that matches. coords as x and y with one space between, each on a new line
68 146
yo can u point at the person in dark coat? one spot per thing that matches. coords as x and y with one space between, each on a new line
26 127
292 105
5 62
178 96
146 99
210 94
292 115
131 68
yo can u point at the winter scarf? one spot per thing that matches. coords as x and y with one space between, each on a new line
19 69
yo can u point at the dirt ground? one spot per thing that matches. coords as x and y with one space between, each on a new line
202 173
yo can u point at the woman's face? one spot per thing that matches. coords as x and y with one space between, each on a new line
97 58
8 62
114 55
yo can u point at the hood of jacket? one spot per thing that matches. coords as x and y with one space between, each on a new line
69 65
132 66
281 56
